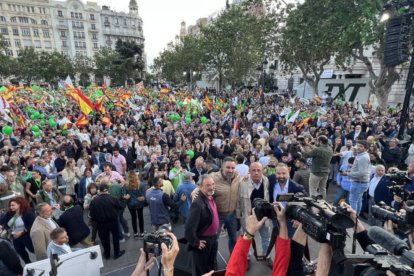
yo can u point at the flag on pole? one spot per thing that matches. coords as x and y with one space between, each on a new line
99 105
85 105
106 120
82 121
303 122
208 103
235 128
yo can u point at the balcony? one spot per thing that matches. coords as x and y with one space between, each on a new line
107 24
62 26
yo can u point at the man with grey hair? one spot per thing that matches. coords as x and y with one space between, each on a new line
378 191
202 227
41 229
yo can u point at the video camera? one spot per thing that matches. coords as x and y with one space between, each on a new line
379 259
153 241
398 181
328 225
384 213
263 208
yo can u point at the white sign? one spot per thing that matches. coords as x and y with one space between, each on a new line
327 74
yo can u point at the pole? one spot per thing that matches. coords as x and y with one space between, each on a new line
408 92
191 80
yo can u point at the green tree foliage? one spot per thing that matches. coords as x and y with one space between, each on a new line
104 62
7 63
54 66
229 49
29 66
83 66
130 62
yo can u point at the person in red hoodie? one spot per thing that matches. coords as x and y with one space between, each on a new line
238 260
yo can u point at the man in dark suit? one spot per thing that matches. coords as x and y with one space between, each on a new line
128 153
356 135
280 184
73 222
202 227
198 169
98 158
104 210
378 191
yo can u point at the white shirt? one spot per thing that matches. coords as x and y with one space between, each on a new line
64 246
51 223
373 185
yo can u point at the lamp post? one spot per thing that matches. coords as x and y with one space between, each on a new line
261 70
272 69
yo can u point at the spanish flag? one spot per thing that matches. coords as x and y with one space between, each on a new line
82 121
208 103
235 128
106 120
99 105
165 91
260 92
119 114
85 105
303 122
317 99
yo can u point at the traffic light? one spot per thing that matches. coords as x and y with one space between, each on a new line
396 41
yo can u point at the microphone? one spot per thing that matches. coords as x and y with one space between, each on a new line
387 240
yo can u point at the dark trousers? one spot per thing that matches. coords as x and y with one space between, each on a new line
140 212
104 229
205 260
20 244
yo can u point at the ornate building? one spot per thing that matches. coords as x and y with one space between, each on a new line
72 27
26 24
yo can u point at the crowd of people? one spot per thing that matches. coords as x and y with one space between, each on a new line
66 185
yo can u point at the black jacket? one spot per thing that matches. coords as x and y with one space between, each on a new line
293 187
129 157
75 226
197 174
104 208
199 219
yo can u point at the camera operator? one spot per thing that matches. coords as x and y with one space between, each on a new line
398 202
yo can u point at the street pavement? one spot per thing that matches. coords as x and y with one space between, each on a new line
126 264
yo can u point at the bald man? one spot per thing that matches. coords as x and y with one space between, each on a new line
254 185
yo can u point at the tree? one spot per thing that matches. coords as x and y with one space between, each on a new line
362 29
28 65
234 44
309 38
104 62
130 62
83 66
7 63
54 66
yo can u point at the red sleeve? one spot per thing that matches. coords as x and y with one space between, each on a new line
238 260
282 257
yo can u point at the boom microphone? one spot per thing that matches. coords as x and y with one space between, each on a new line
387 240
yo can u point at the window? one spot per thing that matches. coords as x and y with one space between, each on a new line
83 34
32 8
38 44
84 44
7 42
36 32
76 44
9 52
80 16
48 44
13 19
4 31
25 32
15 31
64 43
17 43
92 16
32 21
60 13
94 36
46 33
27 43
42 10
125 22
44 22
2 19
63 34
95 45
23 20
93 26
116 21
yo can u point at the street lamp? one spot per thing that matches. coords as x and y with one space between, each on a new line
272 70
261 72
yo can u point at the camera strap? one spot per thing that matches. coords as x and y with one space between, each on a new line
354 236
275 233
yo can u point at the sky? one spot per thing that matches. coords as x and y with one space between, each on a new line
162 18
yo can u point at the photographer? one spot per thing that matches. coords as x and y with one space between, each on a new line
398 202
238 261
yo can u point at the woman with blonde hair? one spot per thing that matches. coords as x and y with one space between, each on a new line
134 192
71 174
